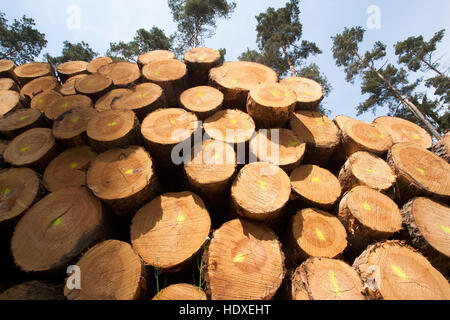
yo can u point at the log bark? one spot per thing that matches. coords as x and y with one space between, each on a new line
113 129
111 270
392 270
244 262
57 229
442 148
428 225
32 290
309 93
124 179
34 149
203 101
235 79
179 222
314 186
170 75
319 133
326 279
68 169
199 62
69 129
260 192
270 104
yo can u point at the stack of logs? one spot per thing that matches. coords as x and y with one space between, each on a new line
198 179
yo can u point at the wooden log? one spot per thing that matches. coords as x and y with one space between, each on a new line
43 99
20 188
170 75
38 85
32 290
280 147
3 145
368 215
57 229
113 129
143 99
326 279
319 133
270 104
357 135
231 126
19 121
97 63
153 55
123 73
29 71
7 68
181 291
428 225
402 130
93 85
366 169
315 186
105 102
10 101
34 149
235 79
68 88
314 233
179 222
71 68
244 262
60 105
69 129
419 172
210 172
9 84
392 270
68 169
199 62
111 270
260 192
442 148
204 101
124 179
309 93
163 129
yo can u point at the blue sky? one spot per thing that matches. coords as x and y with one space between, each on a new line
104 21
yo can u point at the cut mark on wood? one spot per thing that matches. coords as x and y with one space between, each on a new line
156 73
142 95
262 184
112 124
421 171
41 101
234 81
334 282
172 122
233 121
75 120
320 235
287 94
73 165
23 118
57 221
367 206
315 179
275 93
399 272
65 105
307 93
320 122
181 218
24 149
446 229
379 135
201 58
293 143
7 191
129 171
200 94
416 137
370 170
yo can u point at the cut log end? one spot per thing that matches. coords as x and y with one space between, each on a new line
391 270
97 63
105 102
68 169
68 88
270 104
43 99
57 229
204 101
19 121
93 85
154 55
260 192
71 68
178 222
123 74
326 279
244 261
29 71
199 62
10 101
309 93
111 270
181 291
70 127
315 186
60 105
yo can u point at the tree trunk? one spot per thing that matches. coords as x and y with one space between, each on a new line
288 59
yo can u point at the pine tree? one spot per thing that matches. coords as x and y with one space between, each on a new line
73 52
